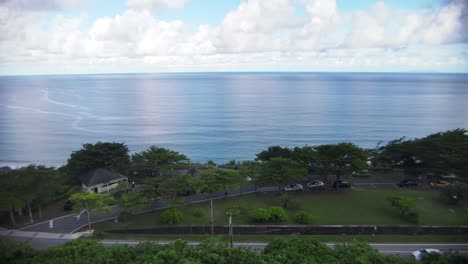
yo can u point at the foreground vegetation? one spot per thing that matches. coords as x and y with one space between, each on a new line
291 250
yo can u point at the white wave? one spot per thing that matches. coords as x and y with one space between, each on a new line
48 99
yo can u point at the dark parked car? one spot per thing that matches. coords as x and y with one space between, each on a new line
408 183
68 206
342 184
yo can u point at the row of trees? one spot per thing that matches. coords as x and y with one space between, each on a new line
32 187
283 250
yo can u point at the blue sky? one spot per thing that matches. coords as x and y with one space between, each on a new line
94 36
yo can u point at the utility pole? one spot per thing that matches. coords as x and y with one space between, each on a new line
89 220
211 217
230 230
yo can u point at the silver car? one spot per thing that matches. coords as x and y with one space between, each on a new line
293 188
419 253
315 184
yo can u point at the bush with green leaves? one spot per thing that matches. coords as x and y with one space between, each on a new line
454 193
198 212
273 214
408 208
277 214
260 215
171 216
304 218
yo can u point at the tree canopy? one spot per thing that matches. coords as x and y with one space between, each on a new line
280 171
154 160
106 155
440 153
283 250
340 159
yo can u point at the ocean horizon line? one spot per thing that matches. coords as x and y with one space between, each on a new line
241 72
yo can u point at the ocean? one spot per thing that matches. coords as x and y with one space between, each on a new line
221 116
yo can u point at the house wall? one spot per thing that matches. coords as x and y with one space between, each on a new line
103 188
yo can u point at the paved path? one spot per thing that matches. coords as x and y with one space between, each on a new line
70 223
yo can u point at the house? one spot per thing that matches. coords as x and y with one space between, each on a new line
101 180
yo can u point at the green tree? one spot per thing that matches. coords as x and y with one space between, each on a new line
134 201
360 253
171 216
306 157
100 155
217 179
97 202
297 250
408 208
444 152
274 152
340 159
280 171
154 161
10 201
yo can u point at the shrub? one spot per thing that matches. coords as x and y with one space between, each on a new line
260 215
123 216
172 216
304 218
234 210
454 193
408 208
277 214
287 203
198 212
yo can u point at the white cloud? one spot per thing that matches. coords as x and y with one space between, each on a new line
40 4
449 24
156 4
257 35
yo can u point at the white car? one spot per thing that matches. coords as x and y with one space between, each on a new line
419 253
315 184
293 187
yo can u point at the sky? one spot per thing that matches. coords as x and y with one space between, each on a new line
151 36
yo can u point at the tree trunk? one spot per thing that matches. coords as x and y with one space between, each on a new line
31 220
40 212
12 217
337 186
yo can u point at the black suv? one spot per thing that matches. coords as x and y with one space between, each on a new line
408 183
342 184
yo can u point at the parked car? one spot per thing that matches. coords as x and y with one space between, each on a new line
341 184
408 183
293 188
439 184
315 184
68 206
419 253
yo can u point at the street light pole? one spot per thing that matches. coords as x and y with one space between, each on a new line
211 217
230 230
89 220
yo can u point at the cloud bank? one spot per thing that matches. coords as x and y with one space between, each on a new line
257 35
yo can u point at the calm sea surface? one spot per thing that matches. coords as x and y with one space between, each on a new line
221 116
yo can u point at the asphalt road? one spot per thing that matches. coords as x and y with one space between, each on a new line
389 249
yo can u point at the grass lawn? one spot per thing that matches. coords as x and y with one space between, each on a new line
268 238
345 207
